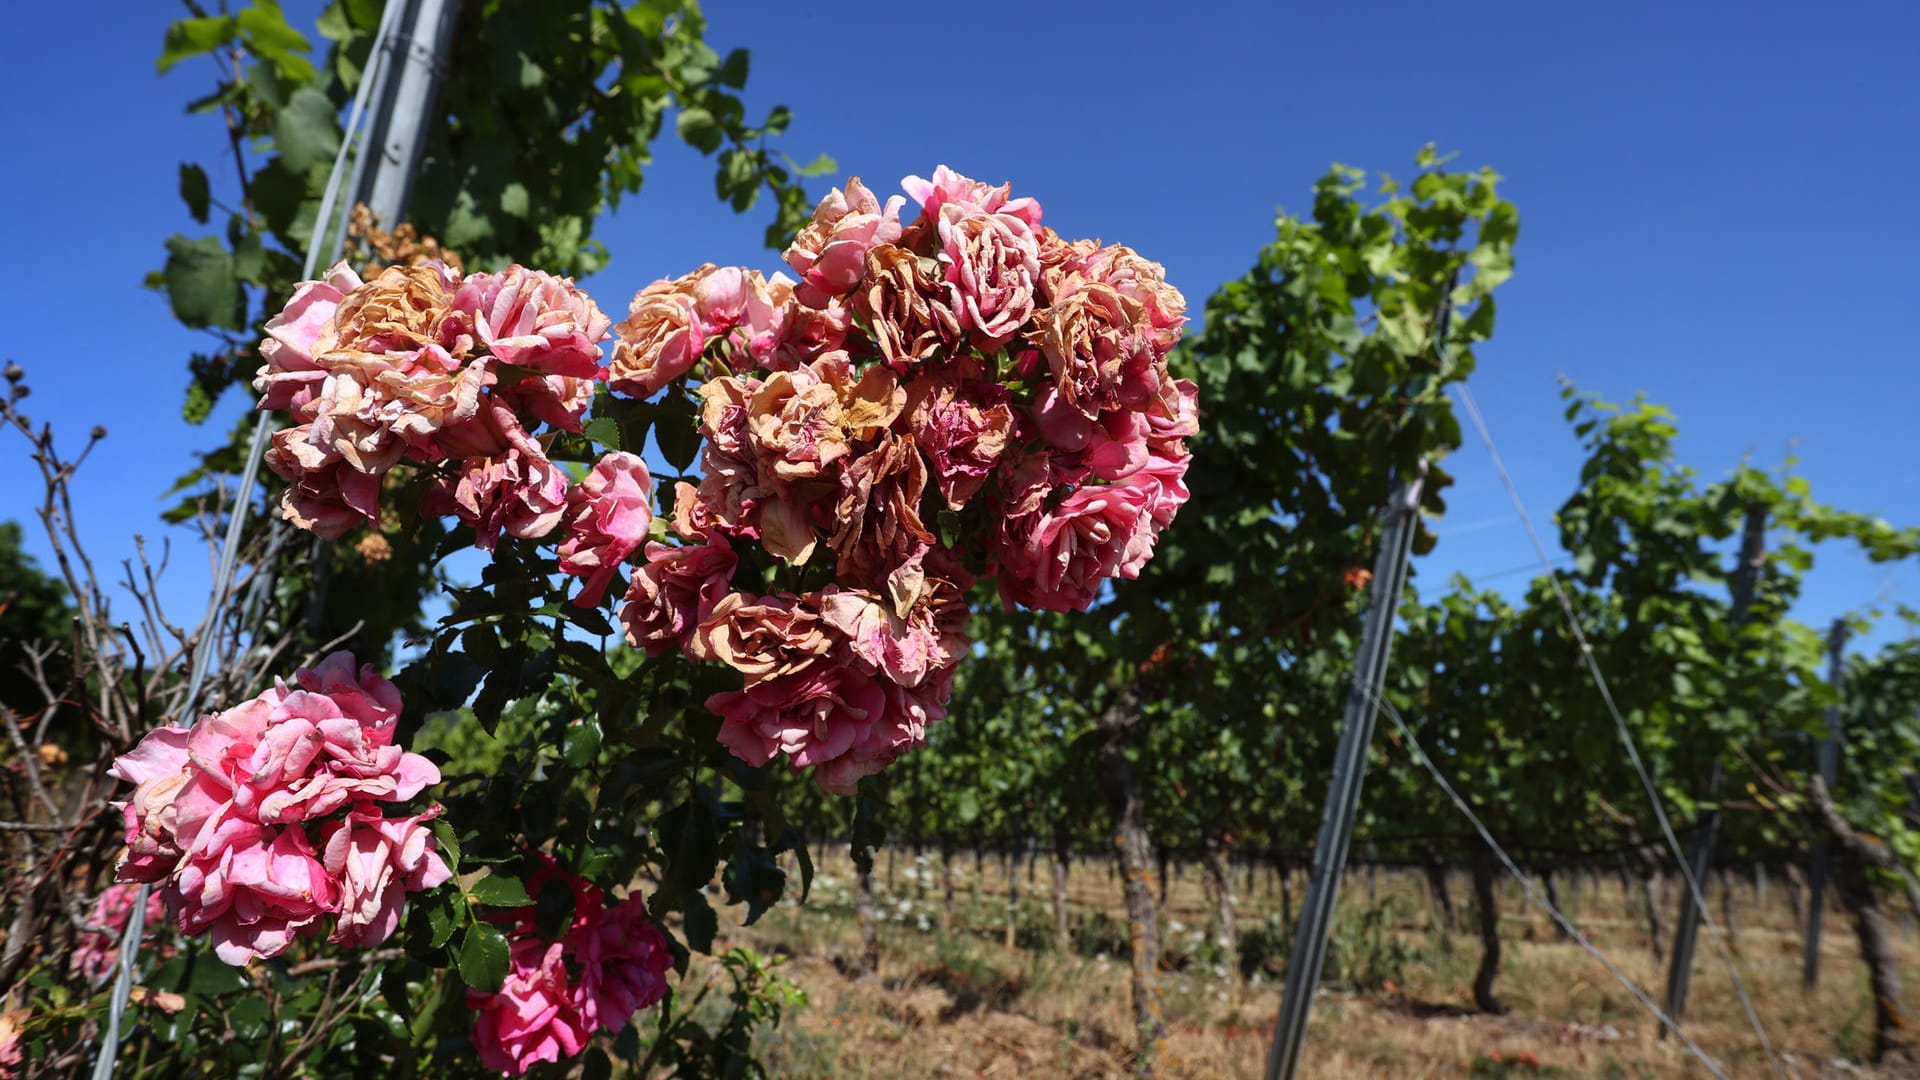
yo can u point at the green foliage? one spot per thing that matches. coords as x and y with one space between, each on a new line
34 611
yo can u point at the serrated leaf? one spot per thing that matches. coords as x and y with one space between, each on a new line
499 890
307 131
605 430
194 191
483 958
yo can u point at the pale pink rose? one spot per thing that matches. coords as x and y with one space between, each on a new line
1056 560
256 894
721 296
948 186
624 961
377 861
607 516
990 263
290 377
534 1017
674 591
158 767
830 253
95 952
531 319
963 427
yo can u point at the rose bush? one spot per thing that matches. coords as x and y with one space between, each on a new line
959 401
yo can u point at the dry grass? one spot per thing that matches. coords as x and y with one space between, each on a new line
961 1004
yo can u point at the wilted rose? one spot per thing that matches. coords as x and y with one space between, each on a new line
830 253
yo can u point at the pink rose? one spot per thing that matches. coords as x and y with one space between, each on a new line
1111 446
157 766
830 254
256 894
991 262
505 483
662 335
96 952
948 186
290 377
327 498
963 428
377 861
1056 560
906 649
559 400
902 725
534 1016
1175 414
608 515
812 715
674 591
531 319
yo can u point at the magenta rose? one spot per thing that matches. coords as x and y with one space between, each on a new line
624 960
534 1017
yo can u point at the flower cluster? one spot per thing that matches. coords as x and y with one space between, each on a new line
94 954
424 365
611 962
259 821
965 394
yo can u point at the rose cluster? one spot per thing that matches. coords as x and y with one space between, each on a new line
963 395
611 962
95 952
258 822
453 374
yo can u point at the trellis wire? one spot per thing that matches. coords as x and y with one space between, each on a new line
1698 895
129 951
1532 890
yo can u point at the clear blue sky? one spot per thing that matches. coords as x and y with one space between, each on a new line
1711 200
